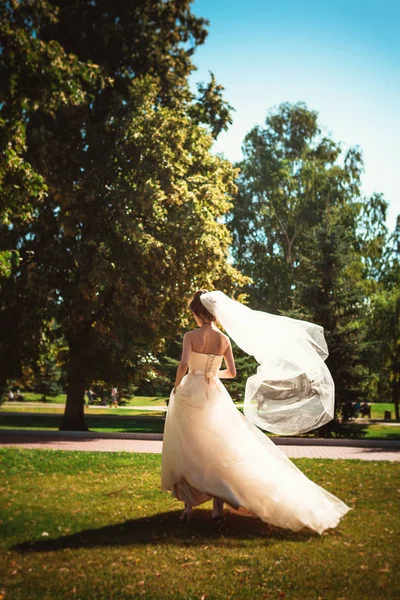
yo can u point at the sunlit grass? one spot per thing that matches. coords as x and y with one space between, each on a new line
388 432
97 526
378 410
61 399
59 410
144 422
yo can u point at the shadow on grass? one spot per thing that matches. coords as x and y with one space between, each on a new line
337 429
167 528
129 424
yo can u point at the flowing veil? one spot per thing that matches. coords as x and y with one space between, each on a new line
292 391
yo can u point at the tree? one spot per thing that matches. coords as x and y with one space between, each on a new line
383 325
328 291
132 218
289 172
309 240
35 74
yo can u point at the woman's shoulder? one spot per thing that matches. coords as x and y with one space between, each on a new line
190 333
194 334
190 336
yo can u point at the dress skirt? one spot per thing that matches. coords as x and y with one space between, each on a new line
211 450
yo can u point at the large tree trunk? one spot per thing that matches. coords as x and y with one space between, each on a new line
3 376
74 416
396 398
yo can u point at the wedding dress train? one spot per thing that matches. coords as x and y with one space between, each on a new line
211 450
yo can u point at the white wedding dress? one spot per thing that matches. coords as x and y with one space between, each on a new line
211 450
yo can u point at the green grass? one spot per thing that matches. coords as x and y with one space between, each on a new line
378 410
61 399
387 432
96 526
32 397
118 420
128 424
59 410
147 401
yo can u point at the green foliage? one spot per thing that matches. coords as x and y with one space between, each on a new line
245 367
383 325
141 246
36 75
328 293
290 176
127 217
159 377
8 260
211 108
48 379
313 246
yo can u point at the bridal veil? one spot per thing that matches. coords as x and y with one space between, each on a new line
292 391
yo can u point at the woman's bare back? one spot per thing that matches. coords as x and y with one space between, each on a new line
209 340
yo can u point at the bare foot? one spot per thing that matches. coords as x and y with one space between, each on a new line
218 510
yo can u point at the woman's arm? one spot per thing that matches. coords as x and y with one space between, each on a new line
183 365
230 371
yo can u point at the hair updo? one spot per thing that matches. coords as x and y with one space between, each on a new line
198 307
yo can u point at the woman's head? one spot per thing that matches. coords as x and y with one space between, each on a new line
199 310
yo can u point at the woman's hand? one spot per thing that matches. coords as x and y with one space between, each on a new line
226 374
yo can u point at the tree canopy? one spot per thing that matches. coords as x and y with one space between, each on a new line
113 208
313 245
128 221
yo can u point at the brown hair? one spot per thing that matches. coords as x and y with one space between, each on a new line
198 307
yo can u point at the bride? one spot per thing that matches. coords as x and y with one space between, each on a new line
212 451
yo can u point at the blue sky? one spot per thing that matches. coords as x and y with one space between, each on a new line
341 58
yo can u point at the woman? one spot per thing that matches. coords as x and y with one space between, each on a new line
211 451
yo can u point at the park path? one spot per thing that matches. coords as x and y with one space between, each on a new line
100 444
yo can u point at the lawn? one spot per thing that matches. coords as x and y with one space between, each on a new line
129 424
59 410
61 399
96 526
386 432
377 409
131 421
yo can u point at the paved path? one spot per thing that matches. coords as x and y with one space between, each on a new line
96 444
